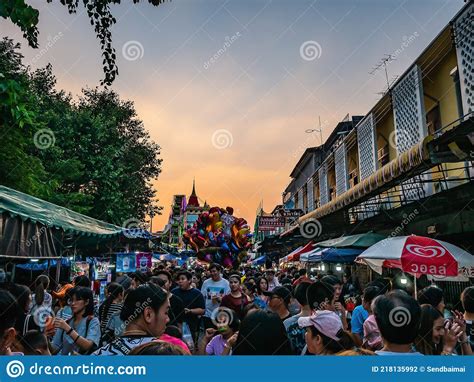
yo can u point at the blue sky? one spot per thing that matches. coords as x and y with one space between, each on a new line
238 123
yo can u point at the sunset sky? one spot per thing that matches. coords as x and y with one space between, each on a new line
237 122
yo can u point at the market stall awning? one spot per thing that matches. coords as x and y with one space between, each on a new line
259 260
165 257
363 240
331 255
295 255
30 208
295 251
43 265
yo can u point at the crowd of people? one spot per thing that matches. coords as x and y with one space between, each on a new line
212 311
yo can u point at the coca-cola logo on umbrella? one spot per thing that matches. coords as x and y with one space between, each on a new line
423 255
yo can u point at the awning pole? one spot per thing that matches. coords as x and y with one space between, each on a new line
58 269
416 292
58 261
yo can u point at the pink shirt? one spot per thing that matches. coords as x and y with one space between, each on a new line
175 341
372 337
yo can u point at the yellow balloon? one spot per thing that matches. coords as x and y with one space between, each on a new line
243 232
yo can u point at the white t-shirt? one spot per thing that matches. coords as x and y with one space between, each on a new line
47 302
214 288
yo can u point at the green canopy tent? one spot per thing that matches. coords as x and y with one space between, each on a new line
34 228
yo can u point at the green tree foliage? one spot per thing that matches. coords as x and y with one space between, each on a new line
100 16
19 167
99 160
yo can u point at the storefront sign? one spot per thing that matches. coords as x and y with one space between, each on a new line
126 262
270 223
143 261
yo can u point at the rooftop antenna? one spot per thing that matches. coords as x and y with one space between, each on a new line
320 130
388 58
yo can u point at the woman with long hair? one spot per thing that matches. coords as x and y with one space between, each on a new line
436 336
81 333
260 299
112 304
41 298
25 321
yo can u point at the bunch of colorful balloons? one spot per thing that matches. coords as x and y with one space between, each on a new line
219 237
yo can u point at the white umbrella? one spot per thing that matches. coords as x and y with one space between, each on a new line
419 255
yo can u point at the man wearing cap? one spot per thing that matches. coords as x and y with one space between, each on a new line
278 300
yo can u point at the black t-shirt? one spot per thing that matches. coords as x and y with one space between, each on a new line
192 298
24 323
176 312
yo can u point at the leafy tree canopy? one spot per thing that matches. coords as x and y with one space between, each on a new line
92 155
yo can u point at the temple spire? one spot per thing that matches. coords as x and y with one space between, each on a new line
194 187
193 199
